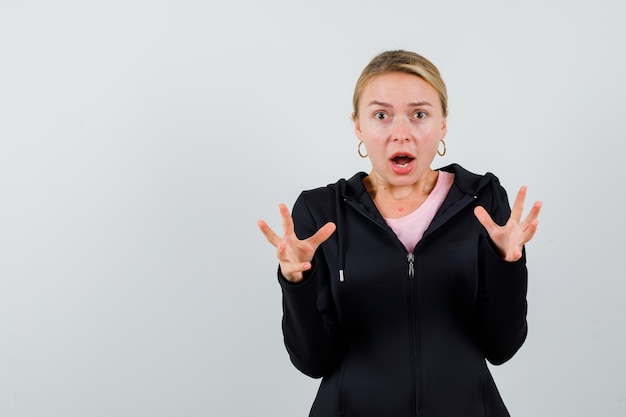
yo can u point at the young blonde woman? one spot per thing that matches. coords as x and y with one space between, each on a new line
399 284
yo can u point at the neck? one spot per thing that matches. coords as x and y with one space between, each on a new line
378 188
398 201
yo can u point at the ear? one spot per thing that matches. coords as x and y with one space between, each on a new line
357 126
444 127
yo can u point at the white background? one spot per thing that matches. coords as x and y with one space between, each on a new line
142 140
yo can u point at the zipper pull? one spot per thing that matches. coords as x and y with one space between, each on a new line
410 257
341 275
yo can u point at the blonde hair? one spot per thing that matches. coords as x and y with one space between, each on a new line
401 61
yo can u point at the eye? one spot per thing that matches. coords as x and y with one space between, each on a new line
420 115
380 115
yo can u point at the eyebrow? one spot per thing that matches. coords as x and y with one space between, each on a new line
383 104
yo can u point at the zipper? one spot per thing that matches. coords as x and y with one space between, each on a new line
411 258
414 335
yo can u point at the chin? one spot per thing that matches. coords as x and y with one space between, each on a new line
403 180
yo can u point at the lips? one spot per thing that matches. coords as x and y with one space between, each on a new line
402 160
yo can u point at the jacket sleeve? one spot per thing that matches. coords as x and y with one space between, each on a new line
308 312
503 285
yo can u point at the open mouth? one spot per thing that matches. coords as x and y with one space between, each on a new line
402 161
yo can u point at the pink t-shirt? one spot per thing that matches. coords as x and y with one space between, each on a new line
411 227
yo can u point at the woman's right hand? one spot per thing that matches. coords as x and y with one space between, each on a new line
294 255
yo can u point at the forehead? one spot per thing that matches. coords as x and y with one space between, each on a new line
398 86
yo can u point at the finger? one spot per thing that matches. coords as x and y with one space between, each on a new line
534 211
269 234
290 273
294 277
287 220
515 256
518 205
532 215
322 234
530 231
484 218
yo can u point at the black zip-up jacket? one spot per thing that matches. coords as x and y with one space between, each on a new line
404 334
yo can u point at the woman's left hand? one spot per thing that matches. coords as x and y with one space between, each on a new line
511 237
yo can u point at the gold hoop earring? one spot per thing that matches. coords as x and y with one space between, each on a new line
444 149
358 149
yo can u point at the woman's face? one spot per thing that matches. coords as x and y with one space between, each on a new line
401 123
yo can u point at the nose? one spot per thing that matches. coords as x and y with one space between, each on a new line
401 129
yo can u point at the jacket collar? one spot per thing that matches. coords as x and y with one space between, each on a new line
466 182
